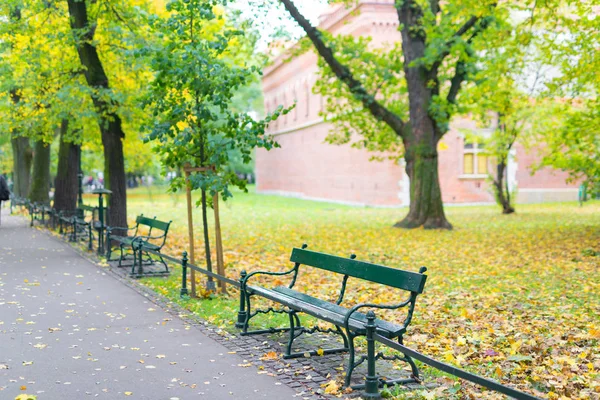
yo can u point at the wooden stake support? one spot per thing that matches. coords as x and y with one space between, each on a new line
219 243
188 193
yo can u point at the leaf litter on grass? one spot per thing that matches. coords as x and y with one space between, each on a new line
513 298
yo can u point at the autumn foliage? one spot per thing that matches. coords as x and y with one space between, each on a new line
513 298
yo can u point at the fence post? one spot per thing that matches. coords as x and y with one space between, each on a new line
241 321
372 380
184 261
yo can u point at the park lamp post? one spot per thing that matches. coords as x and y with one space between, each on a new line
101 192
80 179
80 193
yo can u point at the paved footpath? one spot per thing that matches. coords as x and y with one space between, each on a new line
69 331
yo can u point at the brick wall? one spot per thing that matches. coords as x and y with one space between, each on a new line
306 166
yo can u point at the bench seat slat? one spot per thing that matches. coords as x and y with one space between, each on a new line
325 310
128 240
122 239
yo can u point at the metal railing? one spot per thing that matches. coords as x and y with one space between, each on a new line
372 380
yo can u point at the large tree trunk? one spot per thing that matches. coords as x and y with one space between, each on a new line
22 156
109 121
426 206
421 138
40 178
67 174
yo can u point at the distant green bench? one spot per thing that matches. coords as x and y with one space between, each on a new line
16 201
38 212
87 221
348 322
139 245
80 223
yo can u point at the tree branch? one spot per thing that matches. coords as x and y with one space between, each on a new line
463 29
460 73
343 73
448 45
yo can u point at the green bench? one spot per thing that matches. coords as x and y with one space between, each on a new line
139 245
348 322
16 201
38 211
86 221
78 223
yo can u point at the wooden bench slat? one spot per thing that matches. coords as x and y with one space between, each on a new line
153 223
389 329
397 278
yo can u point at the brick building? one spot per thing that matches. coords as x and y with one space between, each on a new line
307 167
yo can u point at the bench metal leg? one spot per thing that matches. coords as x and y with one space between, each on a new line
248 315
296 330
121 258
108 245
414 378
90 237
351 359
162 260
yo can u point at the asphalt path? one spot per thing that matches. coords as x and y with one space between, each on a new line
70 331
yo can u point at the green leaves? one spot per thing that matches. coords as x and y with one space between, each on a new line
197 78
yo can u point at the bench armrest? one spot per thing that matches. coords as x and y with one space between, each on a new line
142 237
357 307
109 229
244 282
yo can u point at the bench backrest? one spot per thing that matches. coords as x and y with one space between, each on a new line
411 281
153 223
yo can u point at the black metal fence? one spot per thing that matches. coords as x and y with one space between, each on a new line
372 386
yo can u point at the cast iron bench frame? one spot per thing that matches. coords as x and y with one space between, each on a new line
349 322
16 201
140 244
80 220
38 211
76 221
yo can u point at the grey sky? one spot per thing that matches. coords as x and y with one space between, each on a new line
271 19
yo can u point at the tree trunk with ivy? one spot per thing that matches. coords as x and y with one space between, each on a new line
67 174
109 121
40 177
22 157
426 207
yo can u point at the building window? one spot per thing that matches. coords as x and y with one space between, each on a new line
475 160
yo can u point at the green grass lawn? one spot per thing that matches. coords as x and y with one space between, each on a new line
515 298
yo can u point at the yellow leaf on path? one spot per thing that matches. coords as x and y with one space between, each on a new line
128 393
26 397
320 352
270 356
331 387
